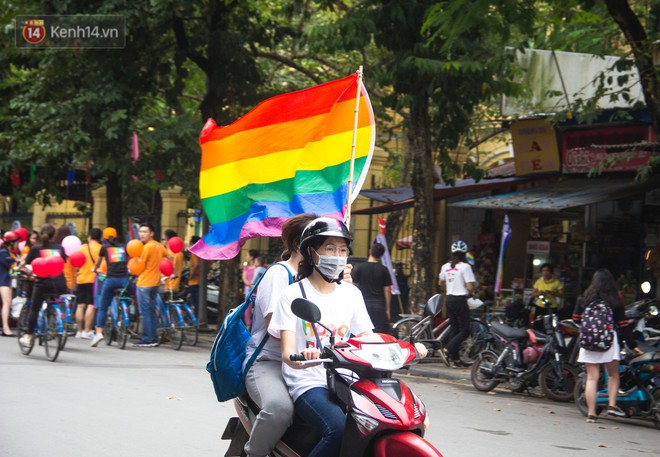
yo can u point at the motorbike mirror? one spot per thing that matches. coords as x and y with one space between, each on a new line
306 310
646 287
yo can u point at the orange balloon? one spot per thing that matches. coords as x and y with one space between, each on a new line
134 248
136 266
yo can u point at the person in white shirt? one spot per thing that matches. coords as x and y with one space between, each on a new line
263 381
325 246
457 278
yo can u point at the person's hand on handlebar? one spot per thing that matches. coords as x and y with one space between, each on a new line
422 351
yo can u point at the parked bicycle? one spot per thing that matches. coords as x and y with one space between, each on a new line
422 328
177 321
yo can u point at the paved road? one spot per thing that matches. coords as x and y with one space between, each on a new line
158 402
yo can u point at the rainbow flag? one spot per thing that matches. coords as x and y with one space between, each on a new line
289 155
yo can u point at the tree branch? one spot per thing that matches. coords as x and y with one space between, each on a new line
288 62
182 43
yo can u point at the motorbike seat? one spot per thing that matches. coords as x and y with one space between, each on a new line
511 333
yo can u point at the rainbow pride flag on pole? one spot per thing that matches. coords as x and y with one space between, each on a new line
290 155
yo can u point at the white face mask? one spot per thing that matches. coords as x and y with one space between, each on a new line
331 265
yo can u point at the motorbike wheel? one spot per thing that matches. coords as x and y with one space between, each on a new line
403 328
555 388
656 399
578 396
517 386
481 381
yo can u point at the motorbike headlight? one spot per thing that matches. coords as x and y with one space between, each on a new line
383 356
653 310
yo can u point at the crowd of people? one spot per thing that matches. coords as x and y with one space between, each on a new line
100 276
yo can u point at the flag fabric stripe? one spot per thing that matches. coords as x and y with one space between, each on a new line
271 139
276 167
506 234
230 205
289 155
291 106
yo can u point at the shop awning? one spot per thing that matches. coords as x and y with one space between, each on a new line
398 198
570 193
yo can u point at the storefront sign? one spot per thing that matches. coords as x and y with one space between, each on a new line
538 247
622 148
534 147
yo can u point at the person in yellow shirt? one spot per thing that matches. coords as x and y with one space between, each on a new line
147 285
548 286
85 309
173 282
193 281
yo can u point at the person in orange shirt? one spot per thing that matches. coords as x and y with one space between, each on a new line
193 281
173 282
85 310
147 285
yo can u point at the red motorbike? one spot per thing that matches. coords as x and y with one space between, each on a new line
383 416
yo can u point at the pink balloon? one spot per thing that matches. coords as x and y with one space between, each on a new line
21 245
175 244
166 267
71 244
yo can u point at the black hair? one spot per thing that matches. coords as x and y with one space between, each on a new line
377 250
457 257
603 287
291 232
169 233
96 234
253 253
46 234
547 265
149 226
194 239
306 265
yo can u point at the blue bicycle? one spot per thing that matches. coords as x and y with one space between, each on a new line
176 321
123 318
50 329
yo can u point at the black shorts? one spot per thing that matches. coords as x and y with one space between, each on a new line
85 294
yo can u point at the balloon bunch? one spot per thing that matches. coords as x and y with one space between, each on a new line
54 265
175 245
135 264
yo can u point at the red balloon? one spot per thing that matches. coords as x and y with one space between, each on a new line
77 259
54 265
175 244
166 267
22 232
39 267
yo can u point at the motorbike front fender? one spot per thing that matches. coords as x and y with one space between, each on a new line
405 443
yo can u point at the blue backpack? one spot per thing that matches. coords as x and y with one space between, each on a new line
228 351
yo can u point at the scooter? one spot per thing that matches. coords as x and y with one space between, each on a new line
383 416
639 389
526 358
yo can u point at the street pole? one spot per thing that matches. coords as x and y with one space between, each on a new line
202 319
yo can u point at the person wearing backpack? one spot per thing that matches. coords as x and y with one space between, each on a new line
599 310
263 380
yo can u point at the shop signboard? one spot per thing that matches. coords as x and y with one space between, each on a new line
538 247
534 147
614 148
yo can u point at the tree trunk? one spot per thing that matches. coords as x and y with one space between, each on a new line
114 212
419 142
642 49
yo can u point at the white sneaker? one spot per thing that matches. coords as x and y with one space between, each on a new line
78 334
97 339
26 341
87 335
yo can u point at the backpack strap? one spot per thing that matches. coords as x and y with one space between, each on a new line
256 352
302 289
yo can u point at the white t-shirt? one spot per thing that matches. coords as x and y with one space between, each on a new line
343 311
271 286
455 278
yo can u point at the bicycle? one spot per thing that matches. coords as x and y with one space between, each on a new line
422 328
50 329
177 321
123 319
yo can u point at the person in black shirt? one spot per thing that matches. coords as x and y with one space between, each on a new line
116 258
374 281
43 285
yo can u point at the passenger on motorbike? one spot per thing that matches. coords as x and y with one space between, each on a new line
263 381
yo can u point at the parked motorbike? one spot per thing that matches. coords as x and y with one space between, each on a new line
526 358
639 390
384 417
641 316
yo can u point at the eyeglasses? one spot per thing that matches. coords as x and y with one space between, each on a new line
331 249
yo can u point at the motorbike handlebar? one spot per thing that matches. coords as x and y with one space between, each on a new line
301 358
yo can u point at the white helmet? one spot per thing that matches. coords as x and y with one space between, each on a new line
459 246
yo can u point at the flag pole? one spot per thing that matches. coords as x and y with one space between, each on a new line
347 218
